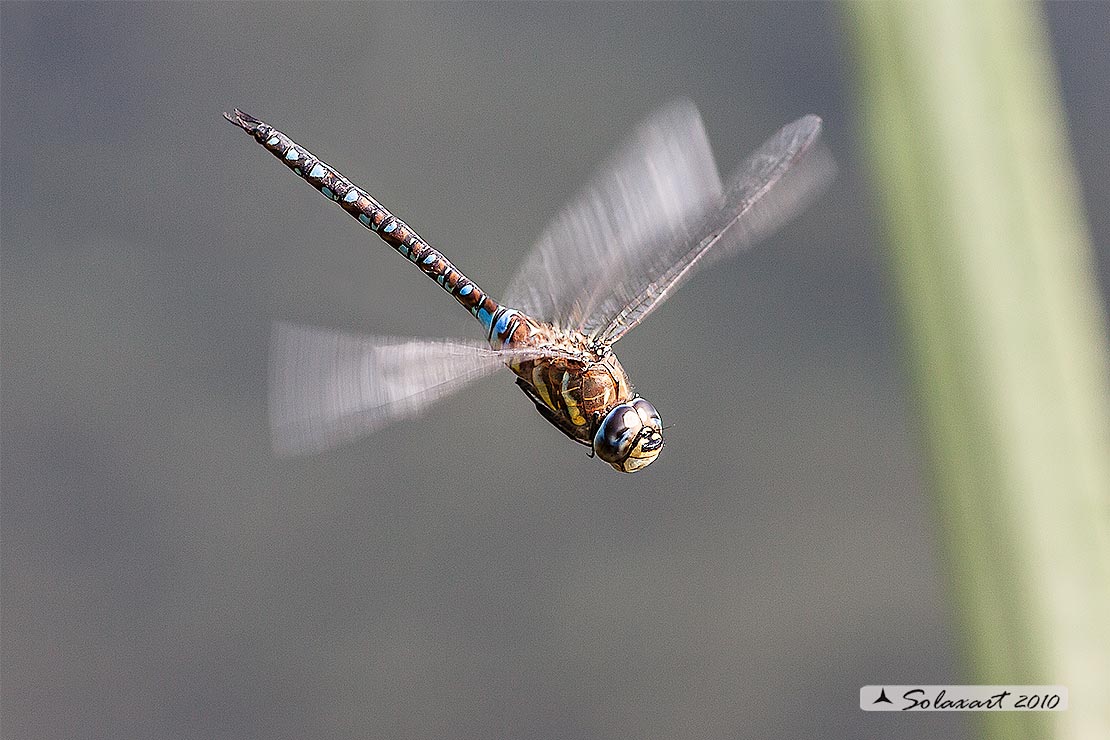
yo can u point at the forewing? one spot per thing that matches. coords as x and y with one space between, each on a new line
651 192
329 387
768 189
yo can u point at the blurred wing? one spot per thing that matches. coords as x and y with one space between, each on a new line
328 387
651 193
772 186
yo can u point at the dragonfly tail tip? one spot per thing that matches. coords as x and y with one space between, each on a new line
245 121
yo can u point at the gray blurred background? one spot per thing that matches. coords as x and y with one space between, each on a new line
165 577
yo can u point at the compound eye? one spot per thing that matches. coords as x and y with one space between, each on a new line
647 413
630 437
614 438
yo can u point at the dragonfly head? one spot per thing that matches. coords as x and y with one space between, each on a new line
630 436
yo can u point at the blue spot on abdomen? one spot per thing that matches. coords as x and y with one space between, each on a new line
485 317
502 325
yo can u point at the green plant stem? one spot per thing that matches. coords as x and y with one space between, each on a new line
1004 338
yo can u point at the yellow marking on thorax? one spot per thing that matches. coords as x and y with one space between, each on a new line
539 382
573 411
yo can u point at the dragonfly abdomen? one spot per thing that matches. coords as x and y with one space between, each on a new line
371 214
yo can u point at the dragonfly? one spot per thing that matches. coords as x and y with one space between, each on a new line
655 214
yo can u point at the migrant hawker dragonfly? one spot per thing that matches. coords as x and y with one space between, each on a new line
655 214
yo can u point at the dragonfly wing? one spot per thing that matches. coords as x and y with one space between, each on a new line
329 387
767 190
651 192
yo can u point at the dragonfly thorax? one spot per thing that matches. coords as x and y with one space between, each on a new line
582 389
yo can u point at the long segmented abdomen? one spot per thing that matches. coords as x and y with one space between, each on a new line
371 214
